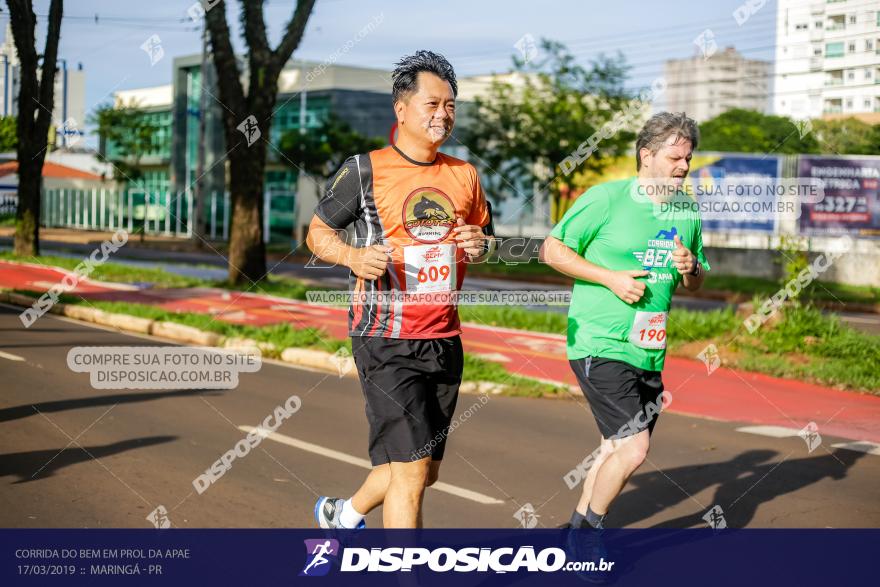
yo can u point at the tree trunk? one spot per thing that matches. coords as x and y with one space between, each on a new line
36 100
247 162
27 216
247 251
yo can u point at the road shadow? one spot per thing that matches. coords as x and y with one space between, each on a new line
744 483
40 464
23 411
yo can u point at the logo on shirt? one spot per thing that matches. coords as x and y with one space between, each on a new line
667 234
657 255
428 215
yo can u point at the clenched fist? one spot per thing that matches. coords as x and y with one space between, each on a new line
625 285
370 262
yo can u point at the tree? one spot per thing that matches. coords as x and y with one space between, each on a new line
749 131
130 132
36 100
8 133
847 136
528 123
320 153
246 118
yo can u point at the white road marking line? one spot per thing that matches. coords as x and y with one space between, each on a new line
365 464
872 448
774 431
10 356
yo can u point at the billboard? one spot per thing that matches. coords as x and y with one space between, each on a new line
711 171
851 204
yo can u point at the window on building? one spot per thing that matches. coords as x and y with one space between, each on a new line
834 78
834 49
849 103
851 75
833 106
836 23
819 24
851 47
852 19
867 103
801 27
869 45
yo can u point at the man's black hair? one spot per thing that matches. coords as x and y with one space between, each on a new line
405 77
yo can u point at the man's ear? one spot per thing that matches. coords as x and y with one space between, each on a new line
399 108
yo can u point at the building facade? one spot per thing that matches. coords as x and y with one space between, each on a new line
706 86
827 59
359 96
69 111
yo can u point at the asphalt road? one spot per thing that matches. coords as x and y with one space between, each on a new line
75 456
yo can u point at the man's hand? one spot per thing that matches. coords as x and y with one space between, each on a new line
625 285
370 262
682 258
470 238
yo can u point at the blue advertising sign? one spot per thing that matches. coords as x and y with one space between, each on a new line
716 180
851 204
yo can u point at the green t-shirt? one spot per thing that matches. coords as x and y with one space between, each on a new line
615 226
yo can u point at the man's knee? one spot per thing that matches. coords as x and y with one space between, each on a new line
634 451
412 476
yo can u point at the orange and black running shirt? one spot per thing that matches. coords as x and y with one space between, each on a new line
411 206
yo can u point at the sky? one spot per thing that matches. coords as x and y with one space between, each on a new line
477 36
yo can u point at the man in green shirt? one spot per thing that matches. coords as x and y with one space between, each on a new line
628 244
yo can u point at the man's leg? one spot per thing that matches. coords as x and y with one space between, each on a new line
606 448
403 500
372 492
617 469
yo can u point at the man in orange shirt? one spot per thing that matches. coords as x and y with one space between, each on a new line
419 216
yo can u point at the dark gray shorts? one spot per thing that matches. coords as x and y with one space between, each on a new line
410 387
624 399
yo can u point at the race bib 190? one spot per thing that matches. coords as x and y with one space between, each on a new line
649 330
429 268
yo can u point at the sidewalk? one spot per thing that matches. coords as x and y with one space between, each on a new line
726 394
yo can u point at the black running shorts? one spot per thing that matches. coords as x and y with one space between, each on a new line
624 399
410 387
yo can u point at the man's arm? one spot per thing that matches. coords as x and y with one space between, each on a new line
338 208
623 283
366 262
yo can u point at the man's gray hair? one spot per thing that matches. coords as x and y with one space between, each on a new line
660 127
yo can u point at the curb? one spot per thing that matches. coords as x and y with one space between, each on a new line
181 333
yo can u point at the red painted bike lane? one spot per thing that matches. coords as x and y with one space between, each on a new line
725 394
